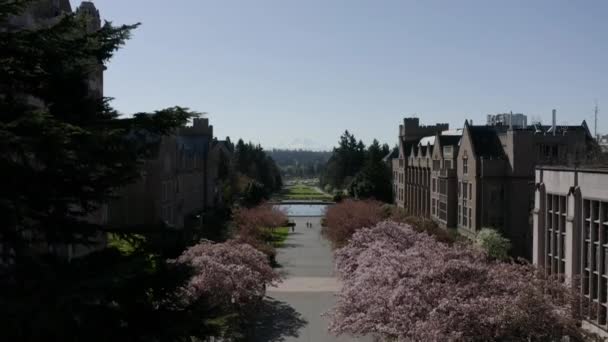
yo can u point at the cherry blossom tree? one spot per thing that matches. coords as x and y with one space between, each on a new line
403 285
254 227
227 274
345 218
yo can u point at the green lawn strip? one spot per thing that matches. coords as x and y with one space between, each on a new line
300 192
309 197
279 235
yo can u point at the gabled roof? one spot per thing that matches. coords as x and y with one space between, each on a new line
422 150
224 144
485 142
394 153
448 140
413 151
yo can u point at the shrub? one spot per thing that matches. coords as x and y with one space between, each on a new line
493 243
346 217
402 285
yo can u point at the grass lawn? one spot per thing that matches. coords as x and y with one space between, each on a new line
303 192
279 235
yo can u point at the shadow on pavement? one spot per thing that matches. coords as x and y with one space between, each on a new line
276 321
291 245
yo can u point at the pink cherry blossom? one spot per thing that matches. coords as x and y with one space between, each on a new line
227 273
404 285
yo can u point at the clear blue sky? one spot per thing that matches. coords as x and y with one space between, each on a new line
281 71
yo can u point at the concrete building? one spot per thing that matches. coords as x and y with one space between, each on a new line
508 119
482 176
571 234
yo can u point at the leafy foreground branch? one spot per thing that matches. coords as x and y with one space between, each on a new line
403 285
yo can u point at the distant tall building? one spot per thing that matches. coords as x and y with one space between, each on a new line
508 119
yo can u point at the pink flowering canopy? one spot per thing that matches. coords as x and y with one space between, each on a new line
405 286
227 273
346 217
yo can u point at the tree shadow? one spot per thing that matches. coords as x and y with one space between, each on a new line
291 245
275 321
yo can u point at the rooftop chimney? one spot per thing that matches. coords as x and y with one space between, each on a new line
553 129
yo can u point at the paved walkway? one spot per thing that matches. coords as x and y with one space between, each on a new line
309 287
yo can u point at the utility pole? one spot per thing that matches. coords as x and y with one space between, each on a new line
595 111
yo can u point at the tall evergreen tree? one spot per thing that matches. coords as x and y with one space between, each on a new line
65 152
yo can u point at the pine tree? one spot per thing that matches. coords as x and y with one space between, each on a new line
64 152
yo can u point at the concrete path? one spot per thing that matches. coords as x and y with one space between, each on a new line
308 289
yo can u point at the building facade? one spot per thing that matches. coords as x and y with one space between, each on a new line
482 176
176 187
410 134
571 234
444 178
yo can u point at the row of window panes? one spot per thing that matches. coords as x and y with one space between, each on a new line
443 211
594 256
447 164
465 216
443 186
465 190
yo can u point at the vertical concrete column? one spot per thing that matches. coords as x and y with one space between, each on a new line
539 213
573 235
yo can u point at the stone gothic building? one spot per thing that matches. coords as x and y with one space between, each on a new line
480 176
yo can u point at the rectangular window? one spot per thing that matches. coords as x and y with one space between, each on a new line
165 190
594 252
465 166
447 151
436 165
459 214
433 204
447 164
464 190
443 211
443 186
434 185
470 190
465 221
470 218
459 189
